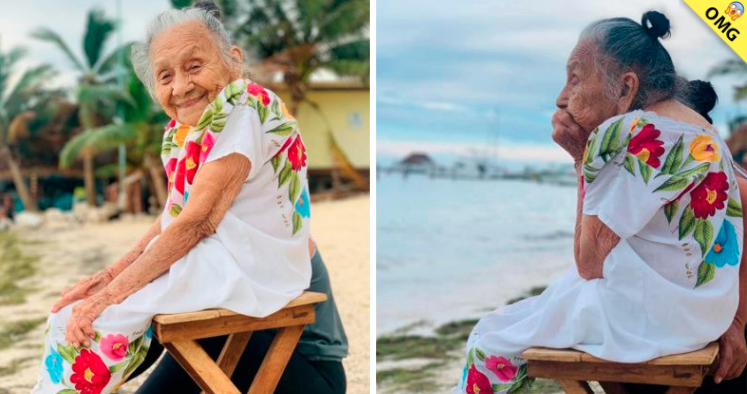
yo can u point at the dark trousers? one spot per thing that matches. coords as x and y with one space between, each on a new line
733 386
300 376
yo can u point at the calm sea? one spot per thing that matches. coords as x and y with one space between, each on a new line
454 249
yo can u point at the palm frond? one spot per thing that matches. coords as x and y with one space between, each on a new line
740 92
729 67
108 63
99 28
48 35
73 149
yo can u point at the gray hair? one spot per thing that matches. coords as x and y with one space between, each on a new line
624 45
140 54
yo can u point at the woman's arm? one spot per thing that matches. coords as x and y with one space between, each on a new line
213 192
96 282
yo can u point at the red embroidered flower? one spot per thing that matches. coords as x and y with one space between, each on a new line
171 124
646 147
170 170
259 92
501 367
191 160
477 383
207 145
297 154
709 195
179 175
90 374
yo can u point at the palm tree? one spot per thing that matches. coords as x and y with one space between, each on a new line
142 132
19 104
96 95
736 67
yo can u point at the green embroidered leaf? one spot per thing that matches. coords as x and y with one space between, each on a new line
67 391
674 158
590 168
721 165
285 174
610 140
703 234
471 357
284 129
297 222
694 172
705 273
275 162
295 188
219 115
263 112
672 184
589 176
205 120
68 353
645 171
670 209
590 146
135 345
217 126
116 367
217 105
687 222
734 208
97 337
519 387
480 354
629 164
175 210
233 92
687 162
276 107
135 362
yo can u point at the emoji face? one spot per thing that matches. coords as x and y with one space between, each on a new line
735 10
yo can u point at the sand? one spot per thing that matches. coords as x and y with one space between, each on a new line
341 229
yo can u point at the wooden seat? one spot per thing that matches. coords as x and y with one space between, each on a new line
179 334
683 373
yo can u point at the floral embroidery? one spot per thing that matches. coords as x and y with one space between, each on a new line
646 147
501 367
90 374
259 92
303 204
725 248
207 145
297 154
192 160
53 362
709 195
702 148
477 383
114 346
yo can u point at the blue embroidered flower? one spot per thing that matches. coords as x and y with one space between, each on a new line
186 196
303 206
725 248
149 332
54 366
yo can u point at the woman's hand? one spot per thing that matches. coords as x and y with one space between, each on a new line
732 353
85 288
569 134
80 325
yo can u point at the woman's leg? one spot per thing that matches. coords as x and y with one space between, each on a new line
118 349
300 376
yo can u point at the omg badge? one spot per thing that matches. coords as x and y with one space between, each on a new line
725 19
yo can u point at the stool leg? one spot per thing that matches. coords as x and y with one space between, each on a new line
231 353
277 358
681 390
575 387
613 388
201 367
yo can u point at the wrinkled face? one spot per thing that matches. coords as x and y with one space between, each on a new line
189 70
583 95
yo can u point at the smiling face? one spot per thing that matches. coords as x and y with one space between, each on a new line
583 95
189 70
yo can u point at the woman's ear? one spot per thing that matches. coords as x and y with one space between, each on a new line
628 92
238 55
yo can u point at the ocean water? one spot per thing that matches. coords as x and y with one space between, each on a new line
453 249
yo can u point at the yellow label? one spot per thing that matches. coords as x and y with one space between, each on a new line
727 20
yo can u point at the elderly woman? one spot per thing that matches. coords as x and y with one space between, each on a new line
235 230
659 229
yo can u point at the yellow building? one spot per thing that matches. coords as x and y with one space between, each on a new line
346 107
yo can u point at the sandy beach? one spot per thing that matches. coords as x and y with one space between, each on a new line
56 256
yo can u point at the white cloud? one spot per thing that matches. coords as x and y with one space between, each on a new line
507 150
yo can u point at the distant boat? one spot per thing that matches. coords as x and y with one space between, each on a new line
416 163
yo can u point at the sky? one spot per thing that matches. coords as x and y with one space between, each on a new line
453 78
68 18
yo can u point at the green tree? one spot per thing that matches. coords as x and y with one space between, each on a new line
732 67
96 94
19 105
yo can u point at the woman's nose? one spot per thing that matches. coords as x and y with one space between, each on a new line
562 100
182 85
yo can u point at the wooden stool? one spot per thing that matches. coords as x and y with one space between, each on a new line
572 369
178 334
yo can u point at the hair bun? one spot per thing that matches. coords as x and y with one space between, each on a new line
655 24
210 7
702 95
